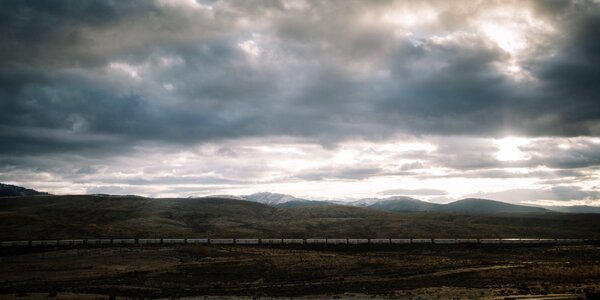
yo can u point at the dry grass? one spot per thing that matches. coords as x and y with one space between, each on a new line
303 271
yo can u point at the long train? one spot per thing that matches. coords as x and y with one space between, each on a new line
276 241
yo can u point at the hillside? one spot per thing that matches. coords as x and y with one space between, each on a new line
303 203
408 204
282 200
405 204
271 198
7 190
86 216
579 209
473 205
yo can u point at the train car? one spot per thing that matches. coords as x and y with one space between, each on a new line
421 241
547 241
467 241
221 241
196 241
379 241
358 241
337 241
445 241
529 241
173 241
538 241
14 243
570 241
149 241
293 241
489 241
316 241
123 241
510 241
400 241
70 242
271 241
247 241
44 243
97 242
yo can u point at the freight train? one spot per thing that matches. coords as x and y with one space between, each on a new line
282 241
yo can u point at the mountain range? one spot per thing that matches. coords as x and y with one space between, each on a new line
400 204
283 200
394 204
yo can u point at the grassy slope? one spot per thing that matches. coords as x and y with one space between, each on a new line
474 205
129 216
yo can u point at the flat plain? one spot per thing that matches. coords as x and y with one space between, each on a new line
326 271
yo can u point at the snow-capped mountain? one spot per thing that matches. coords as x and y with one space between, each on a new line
271 198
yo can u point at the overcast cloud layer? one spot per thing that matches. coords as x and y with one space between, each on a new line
327 99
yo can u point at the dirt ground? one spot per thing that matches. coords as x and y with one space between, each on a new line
355 272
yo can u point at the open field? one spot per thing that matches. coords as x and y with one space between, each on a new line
444 271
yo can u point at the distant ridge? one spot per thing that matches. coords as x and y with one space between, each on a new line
270 198
393 204
8 190
404 204
408 204
93 216
577 209
282 200
474 205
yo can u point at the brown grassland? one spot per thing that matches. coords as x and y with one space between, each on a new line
409 271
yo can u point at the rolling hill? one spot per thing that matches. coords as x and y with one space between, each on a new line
408 204
473 205
7 190
579 209
282 200
464 206
90 216
404 204
271 198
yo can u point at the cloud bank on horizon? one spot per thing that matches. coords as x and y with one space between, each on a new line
321 99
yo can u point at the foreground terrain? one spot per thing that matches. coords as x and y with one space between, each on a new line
346 271
419 271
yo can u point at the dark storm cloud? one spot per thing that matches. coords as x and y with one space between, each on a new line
569 79
105 76
465 90
58 33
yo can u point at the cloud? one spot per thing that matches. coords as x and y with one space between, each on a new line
339 173
414 192
94 83
565 154
559 193
353 169
332 79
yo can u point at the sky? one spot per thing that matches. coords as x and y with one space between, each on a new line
437 100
